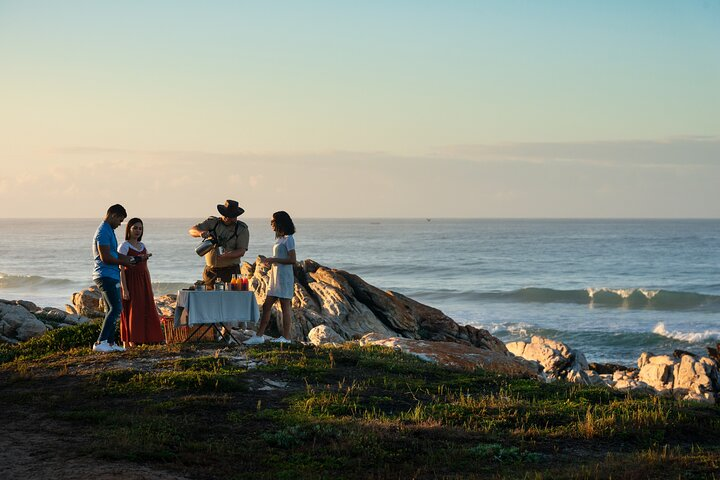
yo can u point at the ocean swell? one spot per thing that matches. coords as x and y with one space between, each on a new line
31 281
629 298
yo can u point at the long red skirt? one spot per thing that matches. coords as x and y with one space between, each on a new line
139 320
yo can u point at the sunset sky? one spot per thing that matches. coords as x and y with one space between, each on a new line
361 109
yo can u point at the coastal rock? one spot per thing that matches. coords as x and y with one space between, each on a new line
557 359
75 319
607 368
18 323
53 314
686 378
166 304
89 302
371 337
461 356
353 308
323 334
27 305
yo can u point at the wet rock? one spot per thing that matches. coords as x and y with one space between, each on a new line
606 368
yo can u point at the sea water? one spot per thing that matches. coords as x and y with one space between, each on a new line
610 288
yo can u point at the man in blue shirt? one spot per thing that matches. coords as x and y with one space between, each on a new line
106 275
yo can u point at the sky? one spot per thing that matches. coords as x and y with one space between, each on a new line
460 109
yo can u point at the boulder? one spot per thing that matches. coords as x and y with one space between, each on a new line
323 334
29 306
460 355
52 314
17 323
89 302
166 304
557 359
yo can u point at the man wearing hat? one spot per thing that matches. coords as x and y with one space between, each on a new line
232 238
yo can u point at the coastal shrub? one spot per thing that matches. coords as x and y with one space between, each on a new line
53 341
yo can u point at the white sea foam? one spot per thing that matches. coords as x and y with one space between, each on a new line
621 292
690 337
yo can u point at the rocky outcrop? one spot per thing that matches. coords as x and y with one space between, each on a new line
687 377
21 320
682 375
17 324
353 308
459 355
557 359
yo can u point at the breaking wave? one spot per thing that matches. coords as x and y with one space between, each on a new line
689 337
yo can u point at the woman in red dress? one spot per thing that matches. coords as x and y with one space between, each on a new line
139 320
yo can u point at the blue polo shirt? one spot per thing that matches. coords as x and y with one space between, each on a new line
105 235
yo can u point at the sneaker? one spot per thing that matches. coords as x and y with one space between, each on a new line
117 348
281 340
255 340
103 347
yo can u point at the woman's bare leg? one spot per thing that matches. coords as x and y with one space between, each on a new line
286 306
265 318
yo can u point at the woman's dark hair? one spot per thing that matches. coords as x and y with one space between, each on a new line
283 224
130 223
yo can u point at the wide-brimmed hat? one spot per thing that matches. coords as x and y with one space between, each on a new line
230 209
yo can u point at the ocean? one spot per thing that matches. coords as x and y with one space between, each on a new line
610 288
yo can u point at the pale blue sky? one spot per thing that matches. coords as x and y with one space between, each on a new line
347 109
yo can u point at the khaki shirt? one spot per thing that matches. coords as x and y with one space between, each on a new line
225 234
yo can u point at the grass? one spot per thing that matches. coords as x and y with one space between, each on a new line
347 412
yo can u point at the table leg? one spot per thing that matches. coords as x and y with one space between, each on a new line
192 334
229 333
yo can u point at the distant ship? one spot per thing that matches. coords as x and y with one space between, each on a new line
428 219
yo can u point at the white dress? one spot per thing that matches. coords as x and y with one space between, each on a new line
282 277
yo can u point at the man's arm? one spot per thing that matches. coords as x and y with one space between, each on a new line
232 254
109 259
196 232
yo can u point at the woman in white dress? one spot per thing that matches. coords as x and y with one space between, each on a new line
282 279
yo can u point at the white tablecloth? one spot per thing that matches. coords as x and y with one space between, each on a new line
225 307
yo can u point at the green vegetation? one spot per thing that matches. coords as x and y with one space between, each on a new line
60 340
346 412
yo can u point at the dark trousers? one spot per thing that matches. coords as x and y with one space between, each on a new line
210 274
110 291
